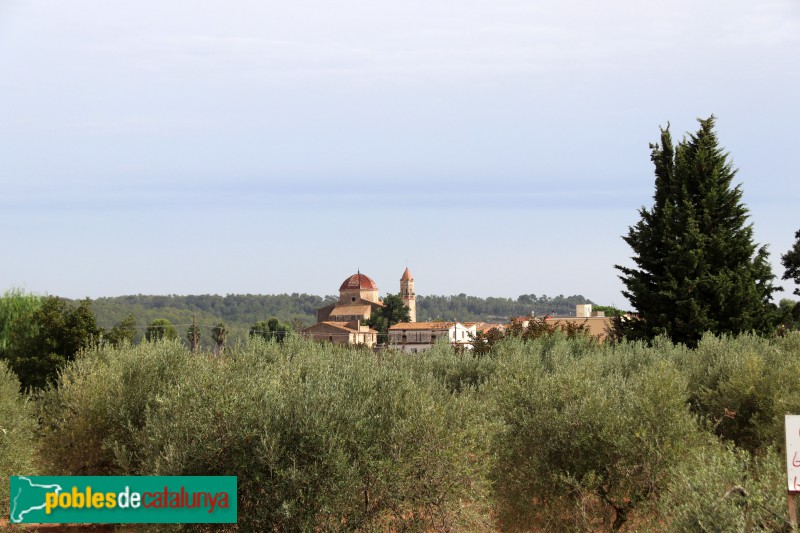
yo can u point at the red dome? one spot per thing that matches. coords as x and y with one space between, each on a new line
358 281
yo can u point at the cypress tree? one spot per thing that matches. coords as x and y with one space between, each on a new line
697 267
791 262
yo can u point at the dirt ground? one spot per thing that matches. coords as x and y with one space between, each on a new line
67 528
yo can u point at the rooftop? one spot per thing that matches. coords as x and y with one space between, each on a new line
422 325
358 281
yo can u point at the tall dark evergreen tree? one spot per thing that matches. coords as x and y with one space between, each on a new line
697 267
791 262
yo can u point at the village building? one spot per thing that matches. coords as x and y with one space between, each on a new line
358 298
486 327
343 333
415 337
596 323
344 321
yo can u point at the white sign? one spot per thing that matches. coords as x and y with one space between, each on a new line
793 452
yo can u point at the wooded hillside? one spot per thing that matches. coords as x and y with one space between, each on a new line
240 311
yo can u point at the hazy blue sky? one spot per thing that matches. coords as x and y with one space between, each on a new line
501 147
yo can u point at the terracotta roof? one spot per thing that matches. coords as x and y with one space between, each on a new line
351 310
358 281
596 324
407 275
323 325
336 325
484 327
422 325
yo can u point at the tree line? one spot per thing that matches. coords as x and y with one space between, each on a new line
40 335
493 309
300 309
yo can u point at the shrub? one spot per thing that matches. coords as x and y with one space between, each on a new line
721 488
458 370
586 439
14 303
17 425
320 437
549 433
742 387
90 421
326 440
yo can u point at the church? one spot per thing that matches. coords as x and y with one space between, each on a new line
343 321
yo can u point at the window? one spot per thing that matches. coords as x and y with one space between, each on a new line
352 298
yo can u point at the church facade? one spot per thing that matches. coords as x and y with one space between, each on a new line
358 298
343 321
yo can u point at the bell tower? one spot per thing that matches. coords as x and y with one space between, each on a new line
407 294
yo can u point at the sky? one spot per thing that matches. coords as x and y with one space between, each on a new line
496 147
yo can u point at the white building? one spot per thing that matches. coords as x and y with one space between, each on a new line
414 337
